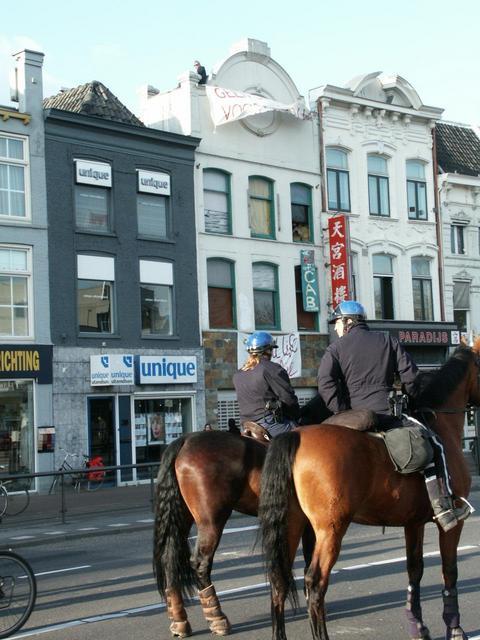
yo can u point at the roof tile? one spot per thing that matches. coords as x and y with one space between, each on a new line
458 149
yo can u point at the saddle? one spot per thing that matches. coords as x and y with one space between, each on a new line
255 431
357 419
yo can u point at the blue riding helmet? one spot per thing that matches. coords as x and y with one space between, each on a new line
259 342
348 309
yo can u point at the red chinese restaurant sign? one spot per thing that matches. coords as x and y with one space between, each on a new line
339 258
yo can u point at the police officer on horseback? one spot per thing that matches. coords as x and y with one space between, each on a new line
264 393
358 371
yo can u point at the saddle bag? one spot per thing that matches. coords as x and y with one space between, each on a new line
409 448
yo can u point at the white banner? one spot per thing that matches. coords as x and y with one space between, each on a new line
90 172
153 182
111 369
227 105
288 354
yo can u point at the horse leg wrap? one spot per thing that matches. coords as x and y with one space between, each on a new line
451 614
413 610
180 626
219 624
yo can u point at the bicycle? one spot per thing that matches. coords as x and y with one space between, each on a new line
91 470
15 501
18 592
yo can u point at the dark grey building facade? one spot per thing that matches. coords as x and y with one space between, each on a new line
128 372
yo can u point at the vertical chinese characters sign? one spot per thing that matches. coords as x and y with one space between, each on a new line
339 255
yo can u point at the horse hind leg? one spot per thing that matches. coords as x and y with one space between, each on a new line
413 609
179 626
202 559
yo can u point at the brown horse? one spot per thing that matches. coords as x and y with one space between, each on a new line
331 476
202 478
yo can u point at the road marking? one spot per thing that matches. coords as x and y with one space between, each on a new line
88 529
48 573
52 533
22 538
152 607
119 524
147 520
234 530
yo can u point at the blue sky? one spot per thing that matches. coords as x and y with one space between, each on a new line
433 45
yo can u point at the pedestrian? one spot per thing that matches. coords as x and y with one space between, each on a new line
200 69
358 371
208 427
264 392
232 426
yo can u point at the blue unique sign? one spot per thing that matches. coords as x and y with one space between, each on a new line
109 369
166 369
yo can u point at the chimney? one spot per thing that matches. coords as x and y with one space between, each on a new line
29 86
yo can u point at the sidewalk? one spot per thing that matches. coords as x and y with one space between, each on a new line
113 509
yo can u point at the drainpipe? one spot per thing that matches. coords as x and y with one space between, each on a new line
321 152
438 224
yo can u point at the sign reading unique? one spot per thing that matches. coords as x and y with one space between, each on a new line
287 354
339 250
311 298
227 105
26 361
108 369
166 369
96 173
152 182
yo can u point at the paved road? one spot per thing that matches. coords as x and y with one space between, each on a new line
102 587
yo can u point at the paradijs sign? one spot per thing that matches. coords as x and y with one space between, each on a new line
227 105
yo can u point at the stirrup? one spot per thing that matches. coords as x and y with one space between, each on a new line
255 431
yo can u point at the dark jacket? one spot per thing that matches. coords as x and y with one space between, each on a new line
202 73
357 371
267 381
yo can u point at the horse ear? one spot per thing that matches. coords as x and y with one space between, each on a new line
463 341
476 344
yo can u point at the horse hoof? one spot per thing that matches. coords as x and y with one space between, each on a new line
456 634
424 634
181 629
220 627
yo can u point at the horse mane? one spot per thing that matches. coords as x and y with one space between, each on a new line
431 388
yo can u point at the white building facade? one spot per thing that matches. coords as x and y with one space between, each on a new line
258 204
379 171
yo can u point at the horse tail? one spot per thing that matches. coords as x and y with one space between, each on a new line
276 490
171 550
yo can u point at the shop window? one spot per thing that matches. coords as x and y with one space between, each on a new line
156 292
461 304
338 181
152 216
422 290
416 190
221 293
265 296
16 426
95 294
378 195
301 205
13 173
217 201
306 320
260 206
15 292
383 287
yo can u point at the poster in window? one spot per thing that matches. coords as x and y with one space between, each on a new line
156 430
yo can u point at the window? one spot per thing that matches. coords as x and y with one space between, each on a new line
13 166
92 206
217 201
422 289
461 303
265 296
383 287
338 180
15 292
156 293
457 241
353 275
378 196
306 320
221 294
301 204
261 210
152 216
416 190
95 294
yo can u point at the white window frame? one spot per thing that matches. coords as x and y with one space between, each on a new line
29 275
158 272
97 269
454 234
26 165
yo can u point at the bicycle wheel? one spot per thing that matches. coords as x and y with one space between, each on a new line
17 502
3 500
95 483
18 591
